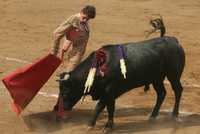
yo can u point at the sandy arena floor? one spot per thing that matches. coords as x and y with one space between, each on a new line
26 28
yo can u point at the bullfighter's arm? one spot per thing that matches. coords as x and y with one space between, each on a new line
59 33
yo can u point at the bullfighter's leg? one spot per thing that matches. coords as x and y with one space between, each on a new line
99 107
161 93
177 88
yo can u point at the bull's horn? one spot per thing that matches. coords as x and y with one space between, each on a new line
60 80
66 77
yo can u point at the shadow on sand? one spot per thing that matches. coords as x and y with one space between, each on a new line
159 124
46 121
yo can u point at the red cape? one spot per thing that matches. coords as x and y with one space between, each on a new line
24 83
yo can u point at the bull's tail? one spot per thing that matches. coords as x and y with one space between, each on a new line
158 25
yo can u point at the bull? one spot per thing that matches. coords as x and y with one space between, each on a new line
148 62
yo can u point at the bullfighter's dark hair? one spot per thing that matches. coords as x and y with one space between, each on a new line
90 11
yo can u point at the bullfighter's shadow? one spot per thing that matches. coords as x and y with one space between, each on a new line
46 121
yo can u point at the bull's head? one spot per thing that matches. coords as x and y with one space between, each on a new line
69 91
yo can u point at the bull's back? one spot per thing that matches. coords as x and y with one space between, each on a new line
146 61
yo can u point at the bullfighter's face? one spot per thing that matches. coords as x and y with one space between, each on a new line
83 17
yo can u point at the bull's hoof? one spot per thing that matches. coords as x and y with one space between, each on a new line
179 120
108 127
109 124
89 128
152 119
107 130
176 119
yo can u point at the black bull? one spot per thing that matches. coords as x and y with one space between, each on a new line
148 62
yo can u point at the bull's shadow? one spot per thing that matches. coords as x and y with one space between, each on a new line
46 121
159 124
41 121
164 121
